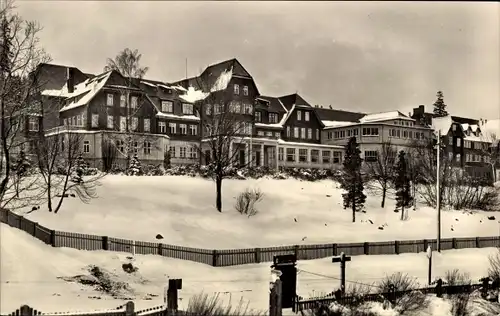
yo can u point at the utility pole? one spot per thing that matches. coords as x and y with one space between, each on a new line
342 259
438 193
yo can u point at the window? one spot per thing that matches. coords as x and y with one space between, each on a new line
147 125
65 122
193 129
467 157
208 109
288 131
306 116
183 129
86 146
302 155
109 99
162 126
111 122
317 134
245 90
303 133
135 123
457 158
290 154
326 156
371 155
329 135
135 147
192 152
309 133
171 150
337 157
167 106
450 156
273 118
133 102
236 89
454 127
450 140
405 134
182 152
299 115
147 148
123 100
296 132
172 128
217 109
459 142
33 124
277 134
121 146
248 108
371 131
257 116
123 123
187 109
95 120
78 120
280 154
260 133
235 107
314 155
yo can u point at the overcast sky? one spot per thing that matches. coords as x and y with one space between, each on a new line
355 56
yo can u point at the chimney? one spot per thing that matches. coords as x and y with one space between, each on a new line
70 79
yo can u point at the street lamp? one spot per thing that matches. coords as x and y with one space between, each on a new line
429 256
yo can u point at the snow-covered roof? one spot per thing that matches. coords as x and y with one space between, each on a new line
384 116
179 117
177 87
474 127
441 124
273 125
282 142
85 91
465 126
337 123
192 95
222 81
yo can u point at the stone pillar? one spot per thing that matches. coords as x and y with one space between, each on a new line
262 155
308 156
297 155
247 154
277 158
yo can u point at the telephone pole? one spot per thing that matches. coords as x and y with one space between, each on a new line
438 193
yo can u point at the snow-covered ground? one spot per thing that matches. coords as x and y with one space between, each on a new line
182 210
30 270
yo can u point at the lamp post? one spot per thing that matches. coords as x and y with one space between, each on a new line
429 256
438 193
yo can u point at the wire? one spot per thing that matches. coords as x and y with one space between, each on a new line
335 278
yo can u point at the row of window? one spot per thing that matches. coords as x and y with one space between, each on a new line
307 115
183 152
343 134
183 128
269 134
397 133
301 133
273 117
244 128
234 107
473 145
123 100
326 155
404 123
168 107
236 89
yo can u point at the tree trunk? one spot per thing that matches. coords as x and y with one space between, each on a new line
384 192
402 211
218 188
353 209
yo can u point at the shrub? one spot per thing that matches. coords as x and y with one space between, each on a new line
203 305
494 268
408 301
245 202
129 268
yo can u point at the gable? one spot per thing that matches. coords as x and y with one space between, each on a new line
54 77
293 100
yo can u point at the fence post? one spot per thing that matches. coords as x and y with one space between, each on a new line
214 258
52 238
160 249
396 247
366 247
334 246
129 308
296 251
257 255
426 244
478 242
35 227
439 288
454 243
275 299
105 243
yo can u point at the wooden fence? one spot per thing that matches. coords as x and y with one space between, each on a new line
311 303
230 257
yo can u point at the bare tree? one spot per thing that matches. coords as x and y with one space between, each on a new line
224 126
381 171
490 151
20 55
132 99
62 169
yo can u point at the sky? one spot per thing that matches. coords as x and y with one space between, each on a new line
367 56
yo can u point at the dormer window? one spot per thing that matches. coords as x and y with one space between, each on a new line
306 116
273 118
245 90
187 109
167 106
299 115
236 89
109 99
133 102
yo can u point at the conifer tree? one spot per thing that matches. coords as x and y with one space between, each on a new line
21 168
79 171
135 166
402 184
440 106
351 180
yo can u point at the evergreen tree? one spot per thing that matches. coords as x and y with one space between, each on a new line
402 184
351 180
21 168
440 106
135 166
79 170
